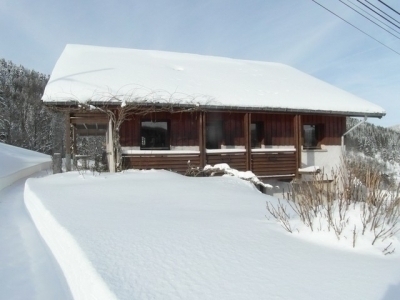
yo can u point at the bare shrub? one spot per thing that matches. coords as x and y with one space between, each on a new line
329 205
280 213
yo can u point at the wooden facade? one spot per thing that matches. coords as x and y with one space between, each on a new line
269 144
276 130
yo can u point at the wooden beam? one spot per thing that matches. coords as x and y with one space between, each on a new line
67 142
202 141
110 143
98 120
247 139
297 141
74 150
91 132
88 114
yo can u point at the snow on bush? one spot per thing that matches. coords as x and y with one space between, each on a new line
228 171
350 211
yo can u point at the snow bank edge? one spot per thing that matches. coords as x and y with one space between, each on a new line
11 178
82 279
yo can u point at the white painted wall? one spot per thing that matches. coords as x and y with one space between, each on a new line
327 158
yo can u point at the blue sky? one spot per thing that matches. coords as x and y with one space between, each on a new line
295 32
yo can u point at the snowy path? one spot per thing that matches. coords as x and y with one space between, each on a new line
27 267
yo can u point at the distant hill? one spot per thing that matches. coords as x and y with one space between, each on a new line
374 141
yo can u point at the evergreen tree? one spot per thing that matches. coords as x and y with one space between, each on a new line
24 120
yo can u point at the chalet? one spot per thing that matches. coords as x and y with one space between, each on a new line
165 109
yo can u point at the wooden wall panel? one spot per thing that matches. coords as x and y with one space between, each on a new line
233 127
129 133
274 164
278 128
239 130
175 163
234 160
289 130
334 126
184 130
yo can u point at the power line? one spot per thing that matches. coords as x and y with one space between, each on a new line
356 27
373 21
389 7
378 14
382 11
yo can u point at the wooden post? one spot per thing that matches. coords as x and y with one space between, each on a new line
74 150
247 139
57 162
297 141
110 147
300 133
202 141
67 142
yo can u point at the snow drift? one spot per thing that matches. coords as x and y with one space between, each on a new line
159 235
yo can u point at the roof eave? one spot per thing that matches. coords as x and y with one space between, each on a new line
228 108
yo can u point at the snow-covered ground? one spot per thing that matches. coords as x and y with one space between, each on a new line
28 269
159 235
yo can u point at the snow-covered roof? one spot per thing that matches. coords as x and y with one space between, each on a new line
102 74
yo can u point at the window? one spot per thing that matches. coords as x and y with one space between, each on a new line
312 136
257 134
214 134
155 135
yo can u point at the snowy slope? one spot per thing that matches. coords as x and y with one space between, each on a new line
14 159
27 268
17 163
85 73
159 235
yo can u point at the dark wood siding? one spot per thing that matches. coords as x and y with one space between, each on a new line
174 162
233 127
234 160
184 129
334 127
274 163
129 133
278 128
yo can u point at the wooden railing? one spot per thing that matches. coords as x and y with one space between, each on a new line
273 162
264 162
235 158
176 161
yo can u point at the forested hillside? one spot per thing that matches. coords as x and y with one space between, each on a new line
24 121
374 141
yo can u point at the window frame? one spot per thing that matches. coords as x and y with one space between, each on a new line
257 141
319 134
167 138
219 134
